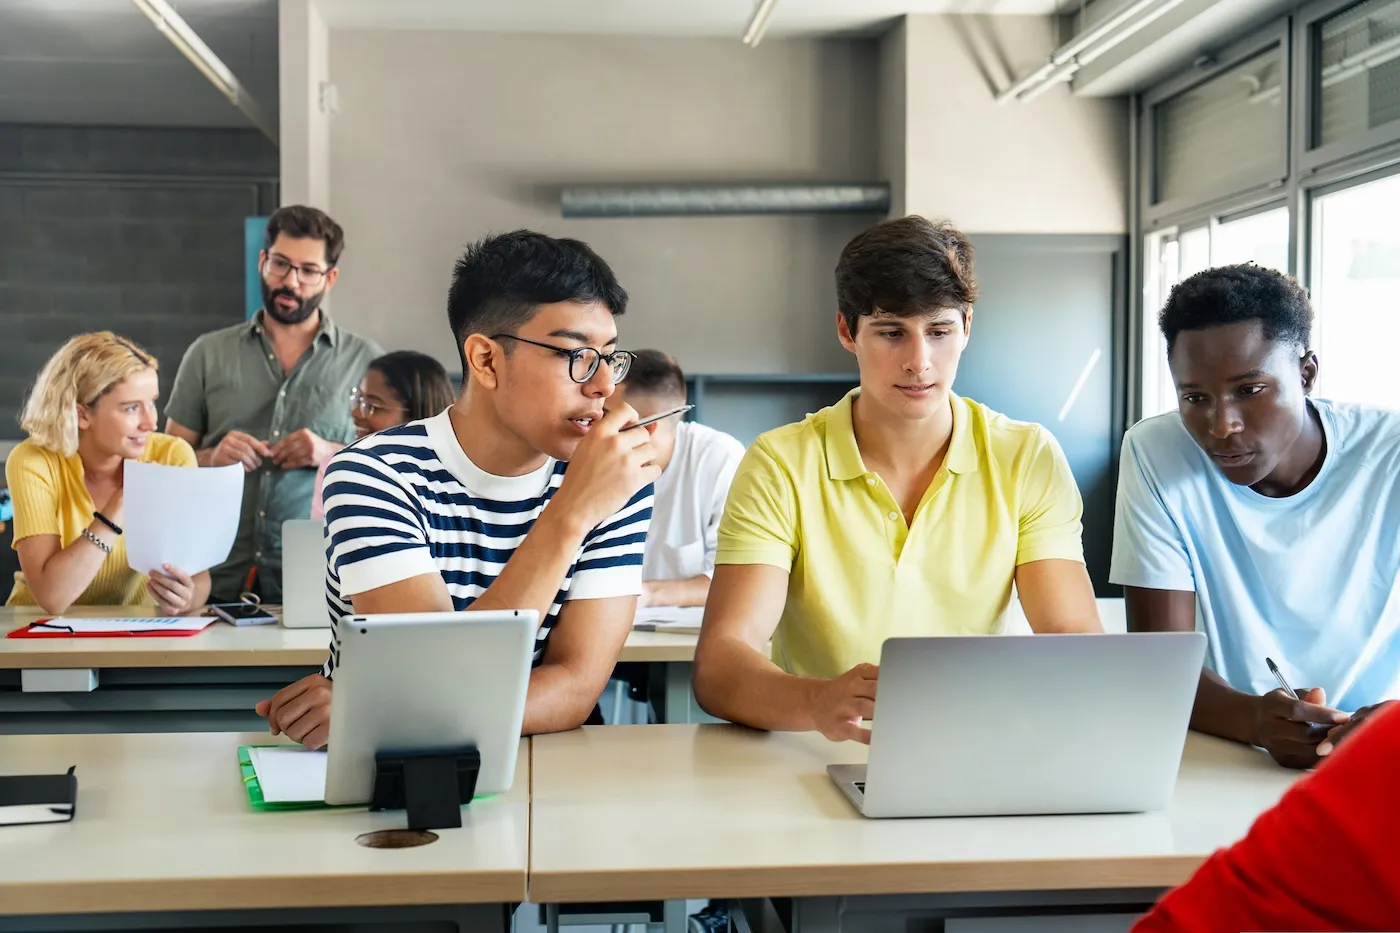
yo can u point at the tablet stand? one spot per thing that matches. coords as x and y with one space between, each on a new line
431 785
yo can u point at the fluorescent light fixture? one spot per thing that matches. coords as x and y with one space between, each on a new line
758 22
169 24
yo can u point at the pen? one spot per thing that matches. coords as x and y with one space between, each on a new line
665 414
1278 675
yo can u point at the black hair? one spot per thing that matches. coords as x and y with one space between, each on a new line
906 266
302 222
1233 294
655 373
418 380
501 280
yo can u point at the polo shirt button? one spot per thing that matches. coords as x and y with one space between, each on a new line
870 481
894 516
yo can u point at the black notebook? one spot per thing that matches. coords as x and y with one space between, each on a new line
38 798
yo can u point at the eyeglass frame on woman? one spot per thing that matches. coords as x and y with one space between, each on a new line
361 405
306 275
577 353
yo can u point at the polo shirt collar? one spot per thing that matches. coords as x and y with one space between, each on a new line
843 459
327 328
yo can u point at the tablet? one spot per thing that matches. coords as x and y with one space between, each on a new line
425 681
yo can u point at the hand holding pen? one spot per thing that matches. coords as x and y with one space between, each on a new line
1290 725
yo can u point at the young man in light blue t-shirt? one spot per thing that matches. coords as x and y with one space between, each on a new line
1270 519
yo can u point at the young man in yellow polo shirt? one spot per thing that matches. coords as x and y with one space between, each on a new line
902 510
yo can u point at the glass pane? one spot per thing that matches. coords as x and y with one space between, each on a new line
1358 86
1226 134
1260 238
1356 292
1170 258
1195 254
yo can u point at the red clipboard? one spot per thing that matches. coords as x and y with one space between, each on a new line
29 631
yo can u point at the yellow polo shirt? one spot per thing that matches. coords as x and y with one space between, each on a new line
804 501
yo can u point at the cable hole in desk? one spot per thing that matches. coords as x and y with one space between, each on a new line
396 839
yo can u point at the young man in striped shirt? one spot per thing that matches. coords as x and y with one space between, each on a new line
450 513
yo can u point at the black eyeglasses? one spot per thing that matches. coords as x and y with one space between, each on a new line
281 267
583 361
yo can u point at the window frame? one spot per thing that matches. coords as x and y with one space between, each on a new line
1258 43
1308 38
1302 174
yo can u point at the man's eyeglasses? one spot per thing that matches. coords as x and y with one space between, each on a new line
583 361
365 407
280 267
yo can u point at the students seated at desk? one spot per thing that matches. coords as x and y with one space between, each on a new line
476 507
1323 858
401 386
697 465
1268 516
902 510
92 409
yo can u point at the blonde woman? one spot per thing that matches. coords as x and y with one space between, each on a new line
92 408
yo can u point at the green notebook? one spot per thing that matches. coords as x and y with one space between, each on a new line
255 794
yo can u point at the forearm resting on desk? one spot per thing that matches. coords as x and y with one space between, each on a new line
1224 711
57 576
556 700
735 682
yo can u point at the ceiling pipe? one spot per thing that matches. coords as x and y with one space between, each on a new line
1066 61
758 22
171 25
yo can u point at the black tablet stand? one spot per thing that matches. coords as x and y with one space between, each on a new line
431 785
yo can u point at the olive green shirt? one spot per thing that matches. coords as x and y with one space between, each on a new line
230 380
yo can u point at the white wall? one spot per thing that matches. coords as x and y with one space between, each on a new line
444 137
1057 164
303 128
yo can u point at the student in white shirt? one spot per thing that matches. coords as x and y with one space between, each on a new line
698 464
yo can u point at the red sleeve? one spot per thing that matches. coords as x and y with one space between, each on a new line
1326 857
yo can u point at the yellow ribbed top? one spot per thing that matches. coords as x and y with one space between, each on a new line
50 498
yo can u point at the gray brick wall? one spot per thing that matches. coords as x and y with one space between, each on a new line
139 231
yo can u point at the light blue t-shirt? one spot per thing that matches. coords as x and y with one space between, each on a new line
1308 580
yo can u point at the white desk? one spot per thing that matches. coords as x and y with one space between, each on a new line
663 812
164 827
211 680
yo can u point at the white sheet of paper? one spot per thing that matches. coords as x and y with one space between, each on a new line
289 775
35 813
670 618
180 516
86 626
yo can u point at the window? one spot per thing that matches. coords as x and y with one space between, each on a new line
1357 77
1260 238
1226 134
1356 292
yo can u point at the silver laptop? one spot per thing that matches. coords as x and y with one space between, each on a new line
424 681
304 574
1027 724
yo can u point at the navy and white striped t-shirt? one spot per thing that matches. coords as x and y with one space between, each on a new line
407 502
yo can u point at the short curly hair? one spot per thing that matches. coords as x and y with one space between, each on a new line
1233 294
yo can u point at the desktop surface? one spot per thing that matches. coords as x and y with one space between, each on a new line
675 811
163 823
